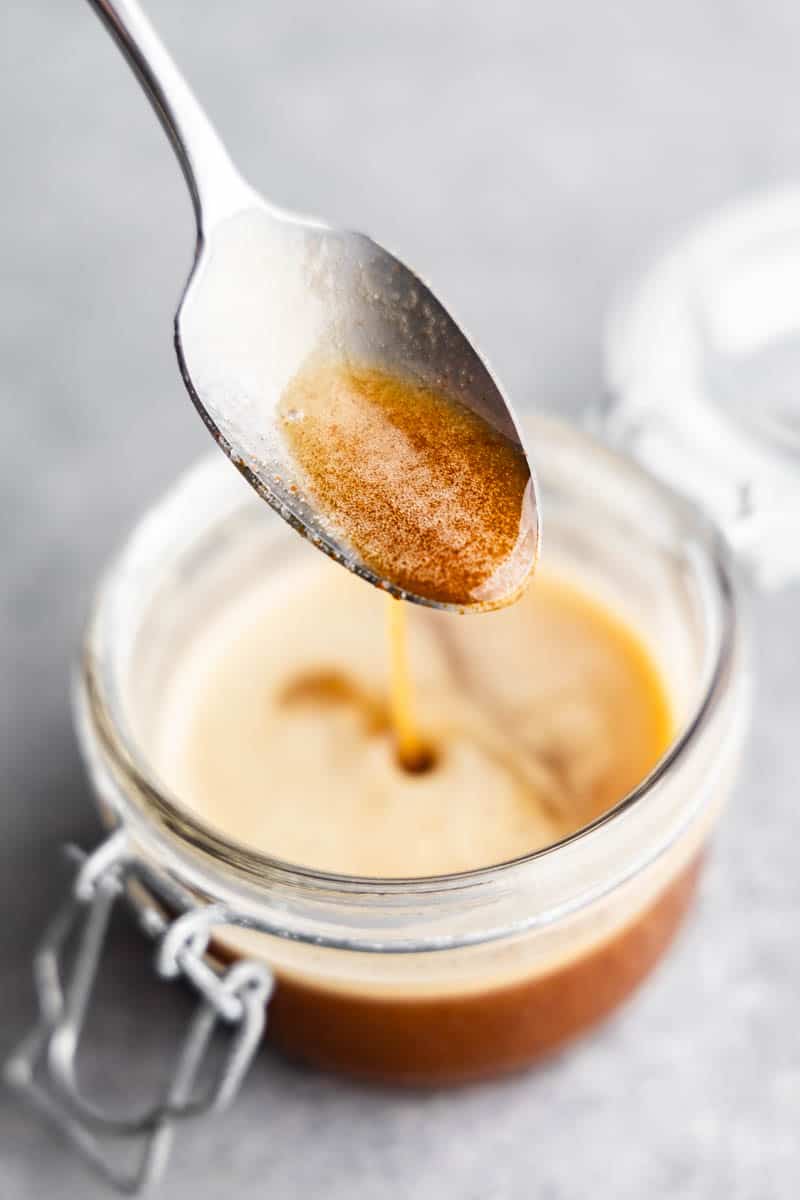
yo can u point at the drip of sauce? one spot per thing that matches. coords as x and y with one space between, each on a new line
428 493
412 752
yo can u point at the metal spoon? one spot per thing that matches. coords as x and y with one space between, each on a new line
269 290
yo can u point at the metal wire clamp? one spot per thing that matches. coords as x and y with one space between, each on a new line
43 1067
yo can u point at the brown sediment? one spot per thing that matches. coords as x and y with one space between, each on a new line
448 1039
430 496
329 688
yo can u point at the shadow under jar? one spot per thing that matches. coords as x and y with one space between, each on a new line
448 978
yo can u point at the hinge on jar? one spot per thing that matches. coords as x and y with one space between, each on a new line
43 1068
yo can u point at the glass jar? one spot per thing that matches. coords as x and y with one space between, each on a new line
451 978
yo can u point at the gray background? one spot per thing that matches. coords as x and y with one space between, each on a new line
525 156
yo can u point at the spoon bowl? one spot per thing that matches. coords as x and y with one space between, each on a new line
272 294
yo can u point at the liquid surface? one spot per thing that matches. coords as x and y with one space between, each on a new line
430 496
276 727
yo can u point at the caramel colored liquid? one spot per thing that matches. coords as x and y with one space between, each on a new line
426 491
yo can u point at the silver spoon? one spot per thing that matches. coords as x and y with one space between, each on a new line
270 290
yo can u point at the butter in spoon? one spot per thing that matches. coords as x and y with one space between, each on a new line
337 383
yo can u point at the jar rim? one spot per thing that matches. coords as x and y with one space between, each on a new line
155 807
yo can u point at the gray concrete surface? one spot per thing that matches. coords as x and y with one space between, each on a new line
525 156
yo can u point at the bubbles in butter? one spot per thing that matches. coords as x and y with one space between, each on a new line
429 494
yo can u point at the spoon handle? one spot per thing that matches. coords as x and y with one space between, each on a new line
217 188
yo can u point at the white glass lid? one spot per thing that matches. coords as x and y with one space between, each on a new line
702 360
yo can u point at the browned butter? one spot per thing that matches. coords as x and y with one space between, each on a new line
429 494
